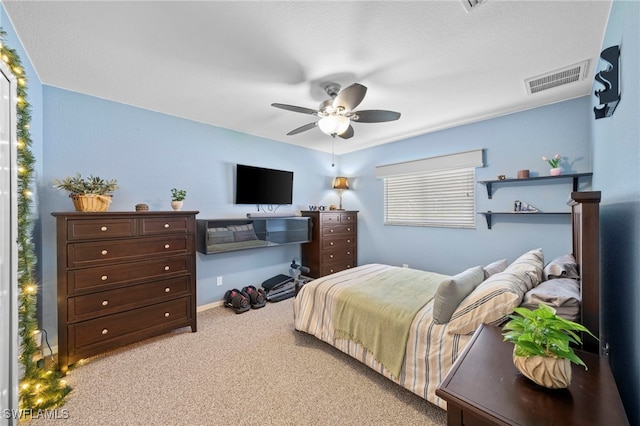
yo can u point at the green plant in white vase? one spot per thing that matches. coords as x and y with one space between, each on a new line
177 198
542 345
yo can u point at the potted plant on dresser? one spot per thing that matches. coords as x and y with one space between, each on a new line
177 198
543 340
91 194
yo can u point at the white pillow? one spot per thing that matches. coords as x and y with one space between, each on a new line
495 267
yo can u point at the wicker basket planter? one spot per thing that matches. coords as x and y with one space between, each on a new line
91 202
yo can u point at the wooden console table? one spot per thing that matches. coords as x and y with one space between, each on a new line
484 388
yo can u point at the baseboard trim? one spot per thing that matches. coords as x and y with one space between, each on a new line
210 306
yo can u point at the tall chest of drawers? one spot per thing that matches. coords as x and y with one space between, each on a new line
122 277
334 242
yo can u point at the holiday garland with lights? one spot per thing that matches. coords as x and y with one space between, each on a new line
40 387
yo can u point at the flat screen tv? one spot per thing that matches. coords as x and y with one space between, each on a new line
258 185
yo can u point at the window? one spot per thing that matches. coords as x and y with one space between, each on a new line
438 191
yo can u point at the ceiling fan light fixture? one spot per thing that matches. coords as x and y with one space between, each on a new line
334 124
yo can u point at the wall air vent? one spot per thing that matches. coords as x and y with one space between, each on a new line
471 4
556 78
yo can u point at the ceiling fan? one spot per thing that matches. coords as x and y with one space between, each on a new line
337 112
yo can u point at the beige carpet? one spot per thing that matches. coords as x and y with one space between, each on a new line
251 368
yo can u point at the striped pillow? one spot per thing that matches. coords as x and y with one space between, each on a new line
498 295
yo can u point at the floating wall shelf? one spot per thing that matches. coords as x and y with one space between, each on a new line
487 215
574 177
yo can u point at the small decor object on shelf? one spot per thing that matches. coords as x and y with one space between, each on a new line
91 194
502 177
542 350
177 198
142 207
554 162
522 207
523 174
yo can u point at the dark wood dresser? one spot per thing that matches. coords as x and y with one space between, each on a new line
122 277
484 388
334 242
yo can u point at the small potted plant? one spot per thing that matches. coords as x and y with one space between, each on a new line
554 162
543 340
91 194
177 198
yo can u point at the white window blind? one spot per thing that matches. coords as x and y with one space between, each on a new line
427 194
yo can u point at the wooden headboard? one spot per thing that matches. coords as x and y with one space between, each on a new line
585 219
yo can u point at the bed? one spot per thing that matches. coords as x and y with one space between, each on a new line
427 318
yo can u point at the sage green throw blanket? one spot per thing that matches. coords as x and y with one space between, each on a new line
378 313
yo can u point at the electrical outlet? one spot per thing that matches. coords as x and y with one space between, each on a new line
219 281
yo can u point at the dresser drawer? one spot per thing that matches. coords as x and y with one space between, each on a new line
82 336
348 218
112 276
91 229
112 301
338 241
330 218
83 254
165 225
342 254
327 231
330 268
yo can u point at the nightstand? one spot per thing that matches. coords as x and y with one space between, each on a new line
483 387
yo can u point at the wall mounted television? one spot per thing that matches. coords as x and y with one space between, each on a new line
258 185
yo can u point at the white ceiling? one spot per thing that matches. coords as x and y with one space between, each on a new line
225 62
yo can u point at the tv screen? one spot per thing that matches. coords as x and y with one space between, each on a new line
257 185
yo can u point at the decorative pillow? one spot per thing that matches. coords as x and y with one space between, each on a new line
562 267
495 267
243 232
451 292
529 266
498 295
220 235
562 294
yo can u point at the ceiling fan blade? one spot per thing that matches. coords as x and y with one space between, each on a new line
376 116
347 133
350 97
294 108
302 129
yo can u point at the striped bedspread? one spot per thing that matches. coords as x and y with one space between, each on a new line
430 350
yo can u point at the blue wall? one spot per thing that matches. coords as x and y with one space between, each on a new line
149 153
616 147
511 143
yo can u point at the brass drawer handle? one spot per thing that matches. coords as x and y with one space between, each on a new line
348 252
331 270
104 278
331 243
104 252
105 302
103 229
348 241
105 331
166 225
166 314
330 230
166 268
348 266
167 290
331 256
166 246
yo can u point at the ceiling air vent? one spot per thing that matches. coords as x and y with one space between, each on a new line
556 78
471 4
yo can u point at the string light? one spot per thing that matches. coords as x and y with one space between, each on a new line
41 387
